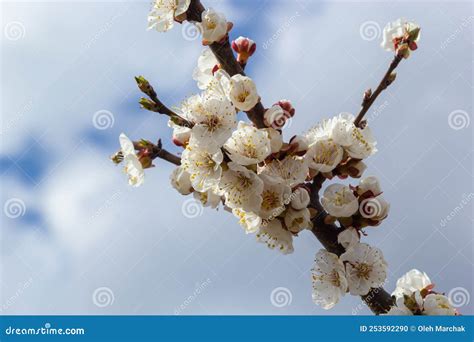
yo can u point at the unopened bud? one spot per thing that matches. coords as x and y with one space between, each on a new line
148 104
287 107
145 86
244 47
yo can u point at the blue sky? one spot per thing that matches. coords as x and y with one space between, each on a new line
83 228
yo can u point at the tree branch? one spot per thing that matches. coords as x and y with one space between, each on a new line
155 105
160 152
370 97
225 56
378 300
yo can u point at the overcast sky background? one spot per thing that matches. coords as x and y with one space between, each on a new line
81 228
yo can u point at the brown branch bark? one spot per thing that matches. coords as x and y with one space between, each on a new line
378 300
225 56
160 152
387 79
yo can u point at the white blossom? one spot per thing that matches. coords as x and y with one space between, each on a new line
301 143
241 187
371 184
365 268
348 238
396 31
411 282
133 168
180 181
275 236
163 12
274 195
213 26
357 142
203 166
292 170
323 130
300 198
209 198
248 220
399 309
339 201
297 220
329 280
181 134
438 305
243 92
248 145
203 73
324 155
276 139
214 120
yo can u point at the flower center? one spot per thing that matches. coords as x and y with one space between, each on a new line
243 96
250 149
335 278
270 200
363 270
213 123
244 182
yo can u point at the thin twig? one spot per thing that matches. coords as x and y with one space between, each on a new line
154 104
160 152
370 97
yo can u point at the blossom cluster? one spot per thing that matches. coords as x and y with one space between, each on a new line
264 180
414 295
360 268
252 171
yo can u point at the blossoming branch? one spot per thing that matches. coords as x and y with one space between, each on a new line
270 185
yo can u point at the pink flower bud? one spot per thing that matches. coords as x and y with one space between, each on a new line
287 107
244 47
